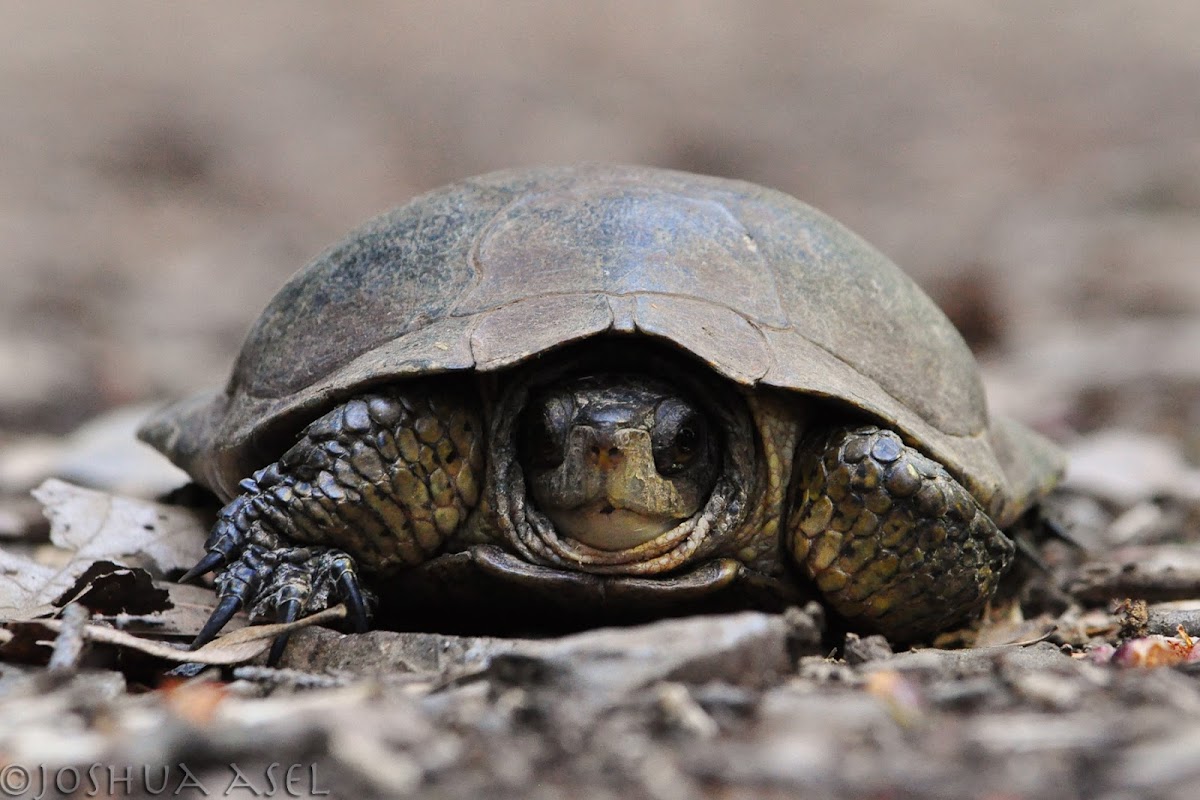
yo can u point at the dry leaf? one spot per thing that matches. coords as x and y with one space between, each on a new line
28 589
97 525
189 608
1021 633
109 588
232 648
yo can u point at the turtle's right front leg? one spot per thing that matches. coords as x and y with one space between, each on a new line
379 482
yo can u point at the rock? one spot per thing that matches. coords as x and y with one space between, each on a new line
1166 619
861 650
746 649
982 660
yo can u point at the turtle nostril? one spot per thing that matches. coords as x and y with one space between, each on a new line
605 455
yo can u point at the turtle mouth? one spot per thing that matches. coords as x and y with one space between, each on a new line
604 526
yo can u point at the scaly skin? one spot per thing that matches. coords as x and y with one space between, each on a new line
378 483
891 540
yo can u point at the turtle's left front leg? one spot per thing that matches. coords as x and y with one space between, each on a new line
892 540
379 482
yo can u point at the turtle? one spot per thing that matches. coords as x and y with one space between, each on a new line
608 385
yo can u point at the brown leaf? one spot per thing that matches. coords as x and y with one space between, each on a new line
97 525
188 608
232 648
109 588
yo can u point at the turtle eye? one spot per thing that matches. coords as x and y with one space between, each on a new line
544 434
679 437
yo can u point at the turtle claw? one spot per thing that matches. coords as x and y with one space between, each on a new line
288 611
224 612
356 604
259 570
282 583
212 560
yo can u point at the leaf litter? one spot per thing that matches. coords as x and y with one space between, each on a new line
733 702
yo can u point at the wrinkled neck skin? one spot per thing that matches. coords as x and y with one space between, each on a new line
746 490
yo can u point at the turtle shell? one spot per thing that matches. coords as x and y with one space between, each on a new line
489 272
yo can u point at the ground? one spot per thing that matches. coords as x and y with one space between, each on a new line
165 168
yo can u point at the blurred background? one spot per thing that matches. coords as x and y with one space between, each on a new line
165 167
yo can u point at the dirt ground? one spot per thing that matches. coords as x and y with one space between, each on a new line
165 168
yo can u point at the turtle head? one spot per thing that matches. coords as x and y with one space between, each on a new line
617 460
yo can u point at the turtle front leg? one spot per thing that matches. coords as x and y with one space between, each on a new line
893 542
378 483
